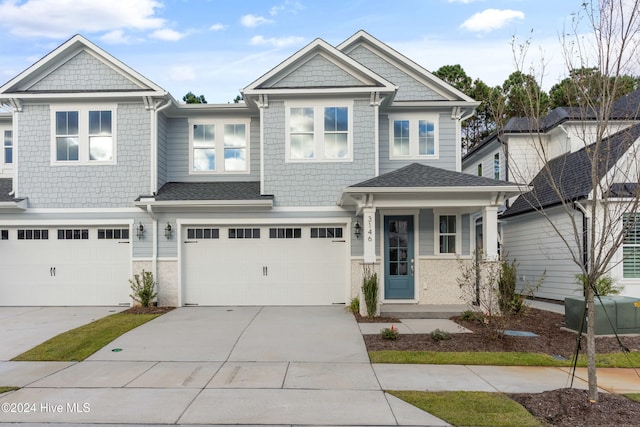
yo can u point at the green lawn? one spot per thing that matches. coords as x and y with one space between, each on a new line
470 408
80 343
6 389
613 360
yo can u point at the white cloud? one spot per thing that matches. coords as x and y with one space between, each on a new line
288 6
491 19
275 41
168 34
254 20
463 1
218 27
116 37
62 18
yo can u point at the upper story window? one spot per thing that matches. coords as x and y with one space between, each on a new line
413 136
631 246
496 166
8 146
479 169
319 132
219 147
84 135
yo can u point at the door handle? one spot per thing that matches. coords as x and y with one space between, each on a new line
413 268
52 272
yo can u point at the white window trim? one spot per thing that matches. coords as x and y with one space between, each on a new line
219 140
3 160
436 233
83 133
318 129
414 119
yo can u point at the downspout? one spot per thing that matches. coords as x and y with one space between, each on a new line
154 231
375 103
585 255
263 102
155 108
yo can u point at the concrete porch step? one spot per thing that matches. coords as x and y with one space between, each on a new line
422 311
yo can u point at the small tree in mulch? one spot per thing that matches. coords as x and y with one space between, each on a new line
143 288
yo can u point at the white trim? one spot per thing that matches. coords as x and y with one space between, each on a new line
261 221
437 213
219 146
414 120
63 222
318 107
83 210
83 133
311 209
167 258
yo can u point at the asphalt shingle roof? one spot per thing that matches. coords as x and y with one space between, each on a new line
571 173
176 191
6 186
418 175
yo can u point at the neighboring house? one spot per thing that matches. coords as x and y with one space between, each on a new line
338 156
528 237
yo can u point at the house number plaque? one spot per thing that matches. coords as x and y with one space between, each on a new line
369 235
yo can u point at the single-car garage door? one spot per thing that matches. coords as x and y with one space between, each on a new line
64 265
264 265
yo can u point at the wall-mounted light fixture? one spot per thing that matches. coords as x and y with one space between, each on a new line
140 231
168 231
357 229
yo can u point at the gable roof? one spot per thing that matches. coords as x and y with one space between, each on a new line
367 79
21 85
571 173
362 38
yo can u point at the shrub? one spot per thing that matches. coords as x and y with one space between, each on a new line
509 300
470 315
605 285
389 333
370 290
143 288
440 335
354 307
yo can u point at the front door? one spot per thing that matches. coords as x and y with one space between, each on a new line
398 257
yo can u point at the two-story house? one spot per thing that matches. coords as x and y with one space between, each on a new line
339 156
555 156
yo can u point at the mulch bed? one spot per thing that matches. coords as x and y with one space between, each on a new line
563 407
138 309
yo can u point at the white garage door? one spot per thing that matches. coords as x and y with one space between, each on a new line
64 265
264 265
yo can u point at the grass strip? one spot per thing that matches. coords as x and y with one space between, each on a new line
611 360
470 408
4 389
633 396
80 343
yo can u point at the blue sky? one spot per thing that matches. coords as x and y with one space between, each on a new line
216 47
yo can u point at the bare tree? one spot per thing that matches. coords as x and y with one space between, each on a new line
594 180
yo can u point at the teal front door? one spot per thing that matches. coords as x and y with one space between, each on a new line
398 257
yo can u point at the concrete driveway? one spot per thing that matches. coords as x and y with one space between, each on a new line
25 327
218 365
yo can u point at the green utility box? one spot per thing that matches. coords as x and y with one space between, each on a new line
623 315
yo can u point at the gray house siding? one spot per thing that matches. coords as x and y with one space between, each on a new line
537 249
162 150
426 232
83 186
178 155
447 149
318 72
84 72
315 183
410 89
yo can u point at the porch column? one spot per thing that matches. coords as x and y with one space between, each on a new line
369 234
490 232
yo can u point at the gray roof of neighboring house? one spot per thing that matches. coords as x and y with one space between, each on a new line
571 173
418 175
624 189
175 191
480 145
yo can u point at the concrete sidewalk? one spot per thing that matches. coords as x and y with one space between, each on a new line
255 366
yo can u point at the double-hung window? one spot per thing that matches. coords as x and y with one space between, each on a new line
319 132
8 146
496 166
631 246
447 234
413 136
218 147
84 135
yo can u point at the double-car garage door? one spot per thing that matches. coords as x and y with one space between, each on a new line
264 265
69 265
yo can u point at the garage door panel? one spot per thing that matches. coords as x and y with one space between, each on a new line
265 271
64 272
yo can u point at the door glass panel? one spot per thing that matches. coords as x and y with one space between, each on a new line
398 247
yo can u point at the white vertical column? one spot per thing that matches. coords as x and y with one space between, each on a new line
369 234
490 232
